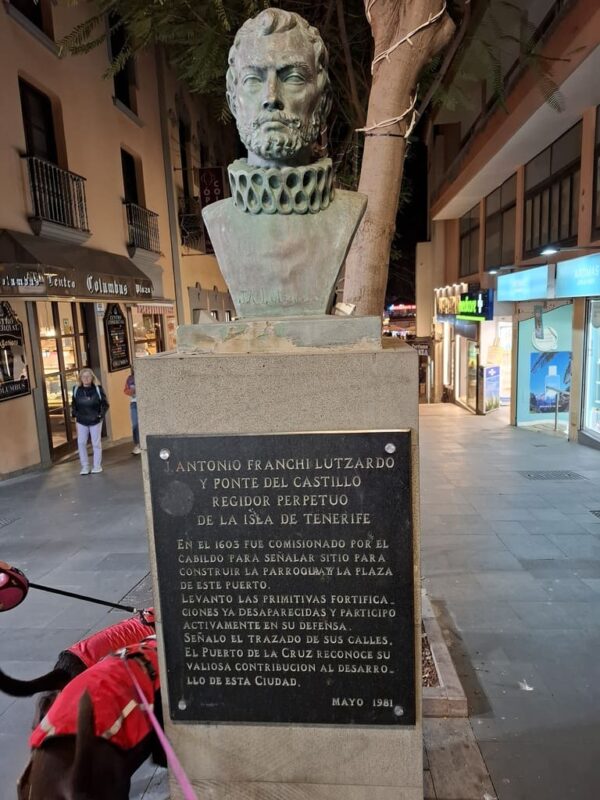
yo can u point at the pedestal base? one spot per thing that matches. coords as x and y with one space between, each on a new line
181 394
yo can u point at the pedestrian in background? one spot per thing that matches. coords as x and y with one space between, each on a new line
88 407
130 392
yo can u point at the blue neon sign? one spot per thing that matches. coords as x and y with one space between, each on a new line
528 284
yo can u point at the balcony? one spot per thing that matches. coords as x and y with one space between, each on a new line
58 200
142 226
190 224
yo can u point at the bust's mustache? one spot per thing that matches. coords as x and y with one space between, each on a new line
276 116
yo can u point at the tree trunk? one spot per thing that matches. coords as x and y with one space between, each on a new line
394 80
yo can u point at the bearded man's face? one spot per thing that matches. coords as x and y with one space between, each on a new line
277 101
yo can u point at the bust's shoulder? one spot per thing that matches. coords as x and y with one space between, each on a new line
350 199
216 210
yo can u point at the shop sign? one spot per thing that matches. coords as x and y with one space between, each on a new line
421 344
117 345
14 376
579 277
476 306
528 284
446 306
57 282
212 188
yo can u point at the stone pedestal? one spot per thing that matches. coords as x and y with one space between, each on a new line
185 394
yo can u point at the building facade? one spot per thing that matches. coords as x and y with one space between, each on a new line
514 191
101 247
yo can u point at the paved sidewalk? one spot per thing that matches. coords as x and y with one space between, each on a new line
512 566
83 534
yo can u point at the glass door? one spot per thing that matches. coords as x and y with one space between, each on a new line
467 360
64 347
472 364
591 401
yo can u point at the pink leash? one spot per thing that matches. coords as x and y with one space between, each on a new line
172 760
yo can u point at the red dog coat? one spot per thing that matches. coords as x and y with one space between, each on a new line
130 631
118 715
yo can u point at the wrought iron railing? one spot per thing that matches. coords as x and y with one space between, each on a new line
190 224
58 195
142 225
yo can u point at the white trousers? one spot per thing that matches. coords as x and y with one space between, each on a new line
94 432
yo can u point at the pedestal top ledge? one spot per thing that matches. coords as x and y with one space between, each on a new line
316 334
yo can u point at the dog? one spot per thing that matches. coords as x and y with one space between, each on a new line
96 734
77 658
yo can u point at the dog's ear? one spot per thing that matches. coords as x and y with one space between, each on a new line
23 785
83 774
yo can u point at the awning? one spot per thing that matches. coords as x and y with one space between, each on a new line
33 266
156 307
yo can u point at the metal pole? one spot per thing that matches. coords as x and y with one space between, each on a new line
556 412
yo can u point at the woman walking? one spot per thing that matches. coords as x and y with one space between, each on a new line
88 407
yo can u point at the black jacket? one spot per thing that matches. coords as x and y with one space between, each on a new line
89 404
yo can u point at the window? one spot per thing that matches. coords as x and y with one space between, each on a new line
124 80
184 140
552 194
38 122
130 182
596 212
500 217
469 242
38 12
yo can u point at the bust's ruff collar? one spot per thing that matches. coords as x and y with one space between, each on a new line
288 190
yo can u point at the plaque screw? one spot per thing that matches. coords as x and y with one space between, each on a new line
182 705
389 448
164 454
398 711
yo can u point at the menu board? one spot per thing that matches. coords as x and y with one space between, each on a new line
117 345
285 575
14 377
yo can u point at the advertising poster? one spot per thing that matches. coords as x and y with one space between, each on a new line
14 377
550 381
491 390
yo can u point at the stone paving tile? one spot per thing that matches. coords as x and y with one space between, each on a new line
560 527
510 586
543 765
550 615
584 545
531 546
478 616
508 514
571 588
592 583
505 526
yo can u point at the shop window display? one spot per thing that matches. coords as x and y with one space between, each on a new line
147 334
